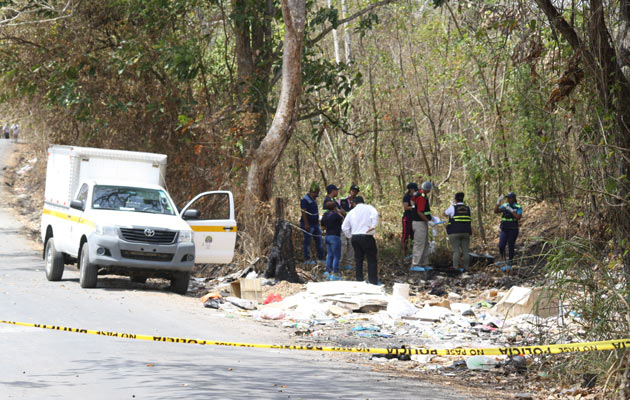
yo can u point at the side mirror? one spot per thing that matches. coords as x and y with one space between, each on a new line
191 214
77 205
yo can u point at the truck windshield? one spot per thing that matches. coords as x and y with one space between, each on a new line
135 199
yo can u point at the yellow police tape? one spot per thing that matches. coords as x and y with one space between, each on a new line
618 344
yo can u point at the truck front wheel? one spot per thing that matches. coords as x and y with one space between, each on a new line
54 262
179 282
89 272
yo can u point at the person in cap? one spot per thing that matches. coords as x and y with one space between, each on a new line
421 223
459 230
511 213
332 192
409 209
347 204
309 222
347 252
360 225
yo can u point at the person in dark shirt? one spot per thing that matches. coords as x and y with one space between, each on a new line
511 214
348 203
347 251
408 217
332 221
310 224
332 192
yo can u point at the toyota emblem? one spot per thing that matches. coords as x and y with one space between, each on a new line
149 232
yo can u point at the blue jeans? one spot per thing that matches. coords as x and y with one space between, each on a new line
316 233
333 253
508 237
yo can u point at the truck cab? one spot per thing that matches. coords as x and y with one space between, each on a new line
127 227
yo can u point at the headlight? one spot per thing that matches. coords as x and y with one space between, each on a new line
185 236
105 230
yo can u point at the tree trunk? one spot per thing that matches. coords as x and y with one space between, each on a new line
335 39
281 265
346 37
603 64
623 41
253 48
298 170
242 45
267 156
480 198
375 167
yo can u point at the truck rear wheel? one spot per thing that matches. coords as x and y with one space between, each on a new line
179 282
89 272
54 262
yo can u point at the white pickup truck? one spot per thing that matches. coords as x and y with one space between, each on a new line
108 211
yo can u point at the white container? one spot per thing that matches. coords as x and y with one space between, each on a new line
401 289
68 166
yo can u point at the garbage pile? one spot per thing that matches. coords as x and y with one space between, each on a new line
349 313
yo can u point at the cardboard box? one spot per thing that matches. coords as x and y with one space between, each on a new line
247 289
521 300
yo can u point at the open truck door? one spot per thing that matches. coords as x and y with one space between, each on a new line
211 217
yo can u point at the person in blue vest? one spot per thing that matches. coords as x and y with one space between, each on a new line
511 213
459 230
310 224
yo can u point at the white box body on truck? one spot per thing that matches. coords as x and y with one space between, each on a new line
108 211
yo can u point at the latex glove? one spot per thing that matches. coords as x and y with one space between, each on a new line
431 223
500 199
510 209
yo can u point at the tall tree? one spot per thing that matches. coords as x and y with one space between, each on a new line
267 156
606 66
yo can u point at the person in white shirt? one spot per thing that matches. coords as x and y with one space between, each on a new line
360 225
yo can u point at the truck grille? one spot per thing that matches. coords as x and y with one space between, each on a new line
138 235
142 255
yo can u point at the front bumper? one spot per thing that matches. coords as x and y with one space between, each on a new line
106 251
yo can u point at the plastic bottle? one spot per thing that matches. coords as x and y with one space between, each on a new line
481 362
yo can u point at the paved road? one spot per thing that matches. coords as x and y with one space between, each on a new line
43 364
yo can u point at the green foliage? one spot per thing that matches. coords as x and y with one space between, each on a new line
587 280
323 15
366 24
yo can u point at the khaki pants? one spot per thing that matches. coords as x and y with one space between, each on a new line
420 243
347 252
460 243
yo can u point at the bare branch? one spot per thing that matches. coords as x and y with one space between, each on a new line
354 16
16 15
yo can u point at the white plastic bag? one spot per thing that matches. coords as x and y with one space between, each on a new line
399 307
